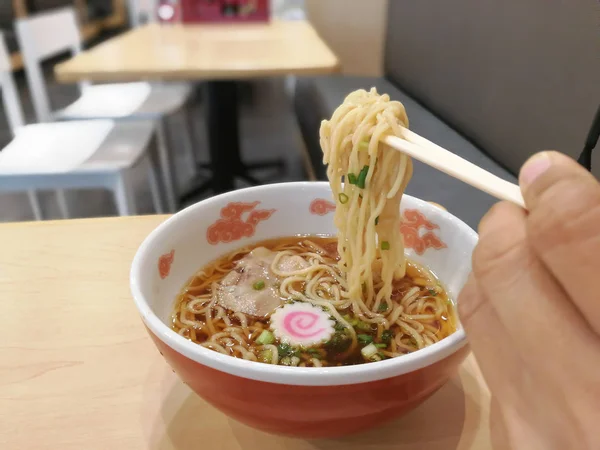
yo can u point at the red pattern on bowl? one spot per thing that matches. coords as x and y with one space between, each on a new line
164 264
311 411
231 227
412 223
321 207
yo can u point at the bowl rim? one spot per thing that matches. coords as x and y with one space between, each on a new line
302 376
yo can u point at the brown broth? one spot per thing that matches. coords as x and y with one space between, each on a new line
393 342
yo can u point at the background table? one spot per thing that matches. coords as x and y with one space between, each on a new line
190 52
78 371
218 54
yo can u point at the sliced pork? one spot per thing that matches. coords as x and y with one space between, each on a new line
251 288
292 263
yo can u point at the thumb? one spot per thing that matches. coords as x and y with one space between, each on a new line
545 169
563 226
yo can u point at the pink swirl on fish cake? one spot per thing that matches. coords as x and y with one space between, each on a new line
299 323
302 324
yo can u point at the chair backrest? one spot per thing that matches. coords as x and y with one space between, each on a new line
515 76
288 9
42 36
10 96
142 11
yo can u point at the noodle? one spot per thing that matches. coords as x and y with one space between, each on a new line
368 210
371 297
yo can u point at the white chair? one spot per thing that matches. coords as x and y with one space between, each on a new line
142 12
44 35
74 154
288 9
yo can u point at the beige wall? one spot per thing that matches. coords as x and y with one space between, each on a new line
355 31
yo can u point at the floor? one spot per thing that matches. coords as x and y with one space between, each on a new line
267 125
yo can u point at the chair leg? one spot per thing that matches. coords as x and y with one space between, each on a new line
189 140
193 112
34 201
63 205
124 196
154 188
165 165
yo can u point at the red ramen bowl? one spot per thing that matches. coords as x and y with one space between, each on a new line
297 401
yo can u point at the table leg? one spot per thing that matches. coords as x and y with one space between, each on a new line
222 124
223 132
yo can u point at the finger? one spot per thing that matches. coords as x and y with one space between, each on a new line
543 323
473 307
490 342
511 378
564 226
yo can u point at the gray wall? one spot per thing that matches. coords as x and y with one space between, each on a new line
515 76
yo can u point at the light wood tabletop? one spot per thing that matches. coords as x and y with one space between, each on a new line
192 52
78 371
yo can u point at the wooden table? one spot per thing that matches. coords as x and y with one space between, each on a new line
78 371
218 54
191 52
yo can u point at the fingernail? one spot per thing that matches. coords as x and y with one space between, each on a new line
534 167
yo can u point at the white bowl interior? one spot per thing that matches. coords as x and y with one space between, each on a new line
203 232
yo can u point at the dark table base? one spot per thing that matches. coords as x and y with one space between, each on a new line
222 124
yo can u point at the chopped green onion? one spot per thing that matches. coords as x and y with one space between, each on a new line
351 320
387 336
363 326
381 345
364 339
383 307
352 178
315 353
266 356
343 198
266 338
285 361
339 327
286 350
363 145
362 177
294 361
377 220
339 342
385 245
369 351
259 285
432 291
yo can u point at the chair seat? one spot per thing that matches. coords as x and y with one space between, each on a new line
123 100
95 146
317 98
